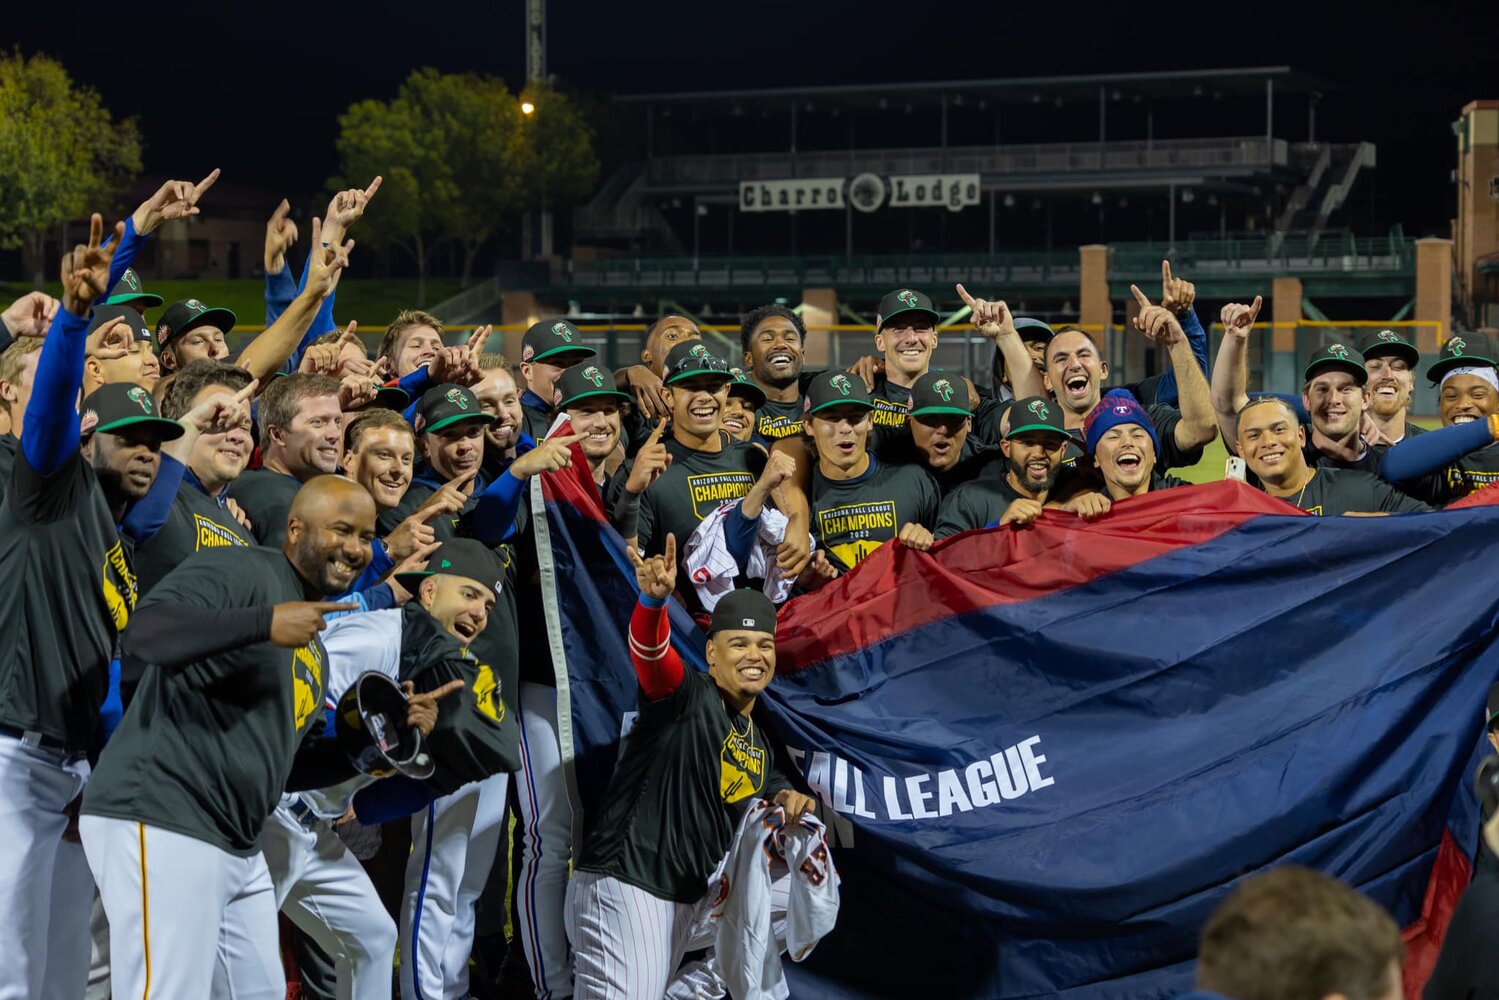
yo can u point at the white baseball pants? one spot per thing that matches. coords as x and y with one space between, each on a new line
186 920
45 888
547 817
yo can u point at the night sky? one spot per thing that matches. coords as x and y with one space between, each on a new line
256 88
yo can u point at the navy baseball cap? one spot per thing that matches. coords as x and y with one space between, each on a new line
106 314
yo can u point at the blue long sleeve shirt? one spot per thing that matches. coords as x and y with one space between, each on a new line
322 322
280 289
147 515
130 248
50 434
1417 456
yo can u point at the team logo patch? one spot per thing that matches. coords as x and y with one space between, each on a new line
141 398
943 388
213 536
196 305
1338 351
88 421
741 768
698 351
306 682
1456 346
907 296
564 331
1389 336
1039 408
118 585
701 575
841 383
487 695
527 353
592 374
1121 409
131 281
457 397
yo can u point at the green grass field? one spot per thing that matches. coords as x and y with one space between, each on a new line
374 303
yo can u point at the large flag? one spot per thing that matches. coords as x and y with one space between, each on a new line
1047 754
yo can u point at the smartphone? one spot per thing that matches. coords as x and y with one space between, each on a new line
1234 468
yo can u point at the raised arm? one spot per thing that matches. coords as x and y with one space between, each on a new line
50 433
657 665
280 289
993 320
1230 387
269 351
1197 426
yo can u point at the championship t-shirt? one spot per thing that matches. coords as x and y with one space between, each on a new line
891 403
976 504
695 485
205 750
686 773
69 590
853 517
196 522
774 420
1339 491
265 497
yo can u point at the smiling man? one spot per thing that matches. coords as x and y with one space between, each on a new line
380 454
906 334
1121 437
692 765
1450 463
548 348
587 395
773 338
1333 394
1272 443
741 410
411 341
190 331
301 438
1391 362
1034 448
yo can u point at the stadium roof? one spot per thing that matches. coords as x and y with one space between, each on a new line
1013 90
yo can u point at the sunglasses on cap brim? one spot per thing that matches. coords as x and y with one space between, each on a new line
709 364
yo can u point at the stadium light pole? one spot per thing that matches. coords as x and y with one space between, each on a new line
540 239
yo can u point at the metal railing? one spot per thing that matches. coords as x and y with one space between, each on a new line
1164 154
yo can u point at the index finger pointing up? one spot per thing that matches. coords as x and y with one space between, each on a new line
205 184
963 294
1140 296
369 192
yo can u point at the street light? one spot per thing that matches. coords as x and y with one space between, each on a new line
526 107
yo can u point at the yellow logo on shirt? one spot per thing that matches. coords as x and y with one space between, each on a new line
773 428
213 536
1465 481
117 583
712 489
888 413
863 526
741 768
306 682
487 695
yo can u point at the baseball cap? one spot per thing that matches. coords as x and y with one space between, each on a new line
1338 358
1036 413
104 315
691 358
935 393
1470 349
830 389
552 337
1388 343
463 557
743 610
190 314
113 407
904 300
390 396
1115 408
129 289
444 405
1031 328
741 385
582 382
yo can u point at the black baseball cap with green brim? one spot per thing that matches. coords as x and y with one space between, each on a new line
1335 358
743 386
830 389
112 408
692 358
463 557
391 396
552 338
901 301
582 382
129 291
448 404
189 314
1388 343
1031 328
1470 349
938 393
1036 413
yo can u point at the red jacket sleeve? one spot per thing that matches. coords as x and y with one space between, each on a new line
656 664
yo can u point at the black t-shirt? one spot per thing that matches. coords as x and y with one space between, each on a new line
891 402
195 522
853 517
976 504
8 445
1338 491
774 420
695 485
205 751
69 590
686 773
1468 474
265 497
896 445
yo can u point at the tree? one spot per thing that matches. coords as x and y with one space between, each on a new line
61 152
461 162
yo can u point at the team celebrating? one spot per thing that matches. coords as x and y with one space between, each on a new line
267 604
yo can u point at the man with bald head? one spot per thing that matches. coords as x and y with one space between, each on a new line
224 721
